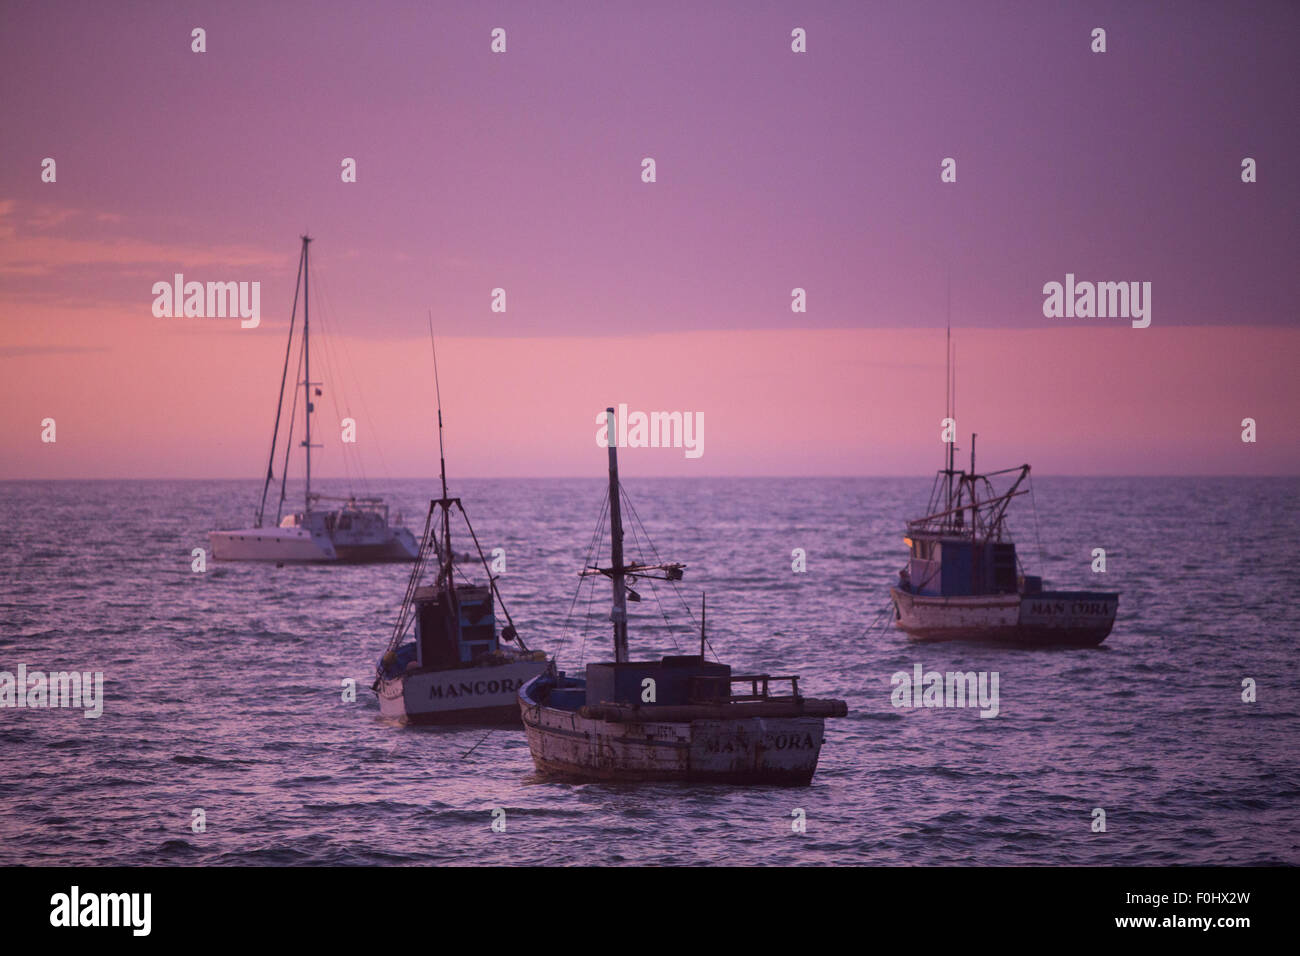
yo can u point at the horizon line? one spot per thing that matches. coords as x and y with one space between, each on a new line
435 478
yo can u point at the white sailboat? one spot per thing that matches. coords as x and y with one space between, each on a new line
350 529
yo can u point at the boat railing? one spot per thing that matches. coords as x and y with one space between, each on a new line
720 689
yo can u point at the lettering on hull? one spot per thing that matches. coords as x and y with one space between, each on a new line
474 688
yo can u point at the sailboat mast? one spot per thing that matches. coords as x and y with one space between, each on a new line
306 348
618 615
279 405
949 398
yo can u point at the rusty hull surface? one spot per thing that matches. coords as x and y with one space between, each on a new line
781 751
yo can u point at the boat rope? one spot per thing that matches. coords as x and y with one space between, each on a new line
591 548
658 560
288 443
1037 535
476 746
877 623
676 590
406 613
636 543
333 350
492 581
586 619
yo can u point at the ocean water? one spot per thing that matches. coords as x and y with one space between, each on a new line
223 688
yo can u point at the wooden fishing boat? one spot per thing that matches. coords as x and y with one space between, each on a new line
456 669
963 579
675 719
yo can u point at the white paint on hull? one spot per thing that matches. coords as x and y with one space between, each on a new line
937 618
1051 618
271 544
299 545
435 696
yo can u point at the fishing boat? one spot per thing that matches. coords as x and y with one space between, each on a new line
456 668
963 579
674 719
344 529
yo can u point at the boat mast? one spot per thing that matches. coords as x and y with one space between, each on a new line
949 398
445 503
279 407
619 613
306 349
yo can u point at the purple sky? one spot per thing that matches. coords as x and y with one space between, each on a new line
521 170
775 170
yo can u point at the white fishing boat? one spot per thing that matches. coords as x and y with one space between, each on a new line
964 579
456 668
343 529
675 719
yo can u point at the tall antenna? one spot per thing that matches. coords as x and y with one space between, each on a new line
447 559
442 460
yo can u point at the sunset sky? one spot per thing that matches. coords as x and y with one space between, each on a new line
775 170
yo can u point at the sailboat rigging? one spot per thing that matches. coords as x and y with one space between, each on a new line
358 529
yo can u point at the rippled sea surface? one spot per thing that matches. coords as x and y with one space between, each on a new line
223 688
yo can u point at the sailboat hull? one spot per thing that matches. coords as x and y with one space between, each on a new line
271 544
296 545
779 751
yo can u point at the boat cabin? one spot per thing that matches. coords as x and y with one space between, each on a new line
451 634
684 679
951 566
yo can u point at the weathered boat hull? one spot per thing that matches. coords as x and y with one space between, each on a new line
467 695
780 751
1046 619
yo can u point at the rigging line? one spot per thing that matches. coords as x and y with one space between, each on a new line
370 419
672 635
877 623
1038 536
348 460
339 383
663 612
288 444
332 379
594 559
636 543
655 551
591 589
476 746
586 562
406 614
586 621
279 408
492 581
